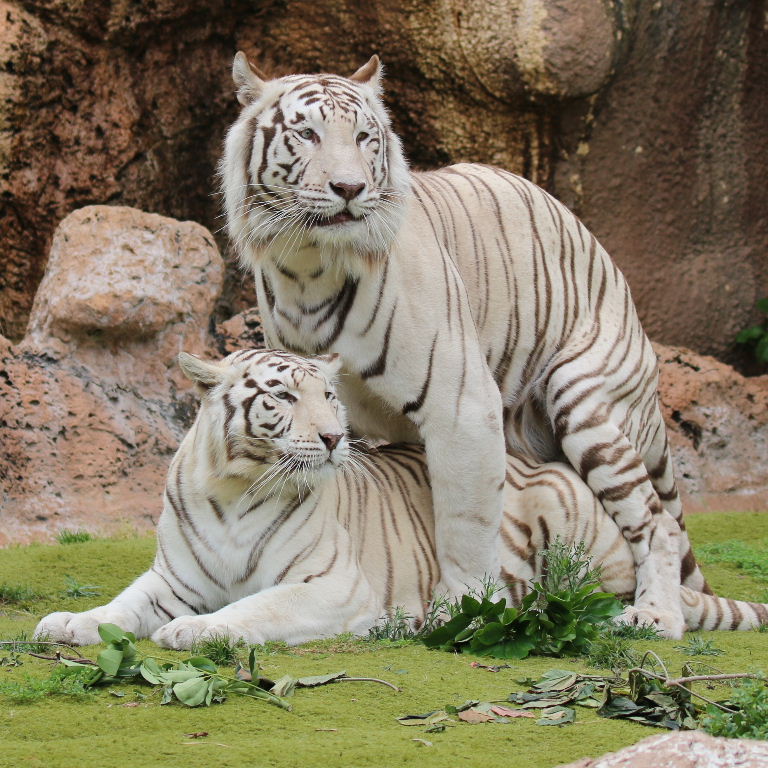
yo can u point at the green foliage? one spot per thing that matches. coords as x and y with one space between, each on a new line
60 683
750 718
562 615
635 631
649 701
696 645
66 536
756 336
752 560
19 645
612 651
397 627
16 594
75 589
193 682
220 649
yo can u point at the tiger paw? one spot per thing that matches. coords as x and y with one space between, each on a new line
183 632
667 623
70 628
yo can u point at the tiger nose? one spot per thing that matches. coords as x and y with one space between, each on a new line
331 439
347 191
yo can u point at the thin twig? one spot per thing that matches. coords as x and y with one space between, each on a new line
59 657
36 642
366 680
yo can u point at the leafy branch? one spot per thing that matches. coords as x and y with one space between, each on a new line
561 615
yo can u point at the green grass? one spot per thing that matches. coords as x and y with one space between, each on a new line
66 536
343 724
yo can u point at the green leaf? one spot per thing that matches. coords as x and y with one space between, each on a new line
202 663
284 686
150 670
111 633
761 350
109 660
750 334
469 606
180 675
315 680
191 692
557 716
491 633
762 305
253 664
445 634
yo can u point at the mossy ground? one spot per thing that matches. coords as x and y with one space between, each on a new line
344 724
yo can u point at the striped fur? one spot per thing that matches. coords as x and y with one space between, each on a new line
470 310
316 550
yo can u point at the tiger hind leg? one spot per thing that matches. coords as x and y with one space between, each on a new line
658 460
614 470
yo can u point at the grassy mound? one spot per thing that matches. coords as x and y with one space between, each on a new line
343 724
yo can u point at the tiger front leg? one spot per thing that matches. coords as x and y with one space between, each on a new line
140 608
292 613
466 459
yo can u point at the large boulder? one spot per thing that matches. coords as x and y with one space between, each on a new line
92 405
687 749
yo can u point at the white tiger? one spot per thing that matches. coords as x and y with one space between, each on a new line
468 307
264 537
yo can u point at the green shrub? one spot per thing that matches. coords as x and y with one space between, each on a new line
750 718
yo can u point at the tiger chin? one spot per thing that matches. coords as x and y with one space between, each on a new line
274 526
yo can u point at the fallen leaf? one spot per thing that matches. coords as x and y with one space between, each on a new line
428 718
557 716
326 730
196 735
131 704
473 716
314 680
506 712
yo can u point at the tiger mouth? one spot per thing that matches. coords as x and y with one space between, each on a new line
340 218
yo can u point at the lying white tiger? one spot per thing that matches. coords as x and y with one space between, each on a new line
262 537
468 307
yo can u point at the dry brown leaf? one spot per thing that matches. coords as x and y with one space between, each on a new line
507 712
473 716
195 735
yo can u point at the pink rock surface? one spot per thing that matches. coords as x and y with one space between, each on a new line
689 749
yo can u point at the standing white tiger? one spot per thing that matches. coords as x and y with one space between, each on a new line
468 306
263 536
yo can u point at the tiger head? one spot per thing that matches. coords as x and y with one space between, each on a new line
312 161
269 412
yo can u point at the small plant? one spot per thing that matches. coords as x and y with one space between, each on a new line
636 631
16 594
696 645
75 589
562 615
66 536
748 718
220 649
756 336
398 626
612 651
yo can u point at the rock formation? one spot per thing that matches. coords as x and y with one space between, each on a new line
648 118
92 406
687 749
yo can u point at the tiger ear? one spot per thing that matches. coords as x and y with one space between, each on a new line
369 73
202 372
249 81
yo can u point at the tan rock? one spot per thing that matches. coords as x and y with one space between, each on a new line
717 422
92 406
686 749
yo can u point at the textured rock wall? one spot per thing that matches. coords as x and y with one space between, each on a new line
648 117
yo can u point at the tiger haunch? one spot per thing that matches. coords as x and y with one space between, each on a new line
272 529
